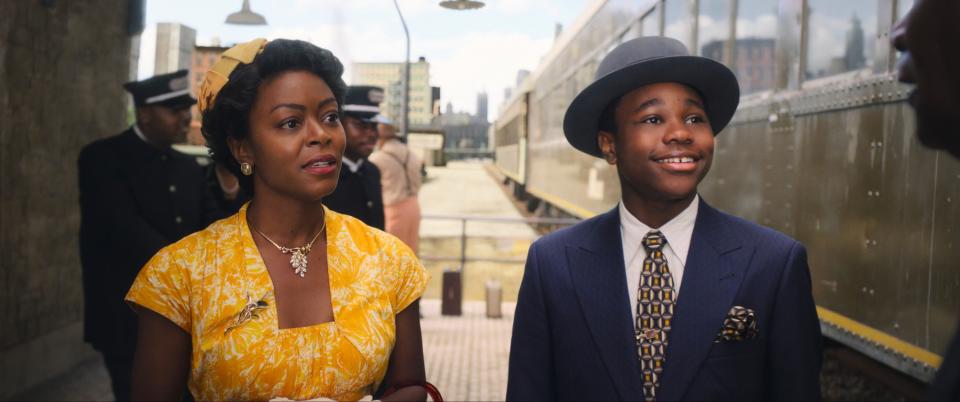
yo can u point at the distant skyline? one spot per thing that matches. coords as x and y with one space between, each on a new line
469 51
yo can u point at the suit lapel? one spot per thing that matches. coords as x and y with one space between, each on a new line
715 267
599 277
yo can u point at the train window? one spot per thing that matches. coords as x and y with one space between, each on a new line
754 47
650 22
677 21
841 36
903 6
714 28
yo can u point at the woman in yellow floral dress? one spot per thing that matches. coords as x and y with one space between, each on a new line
285 299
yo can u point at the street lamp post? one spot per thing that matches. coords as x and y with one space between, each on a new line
405 101
461 4
246 16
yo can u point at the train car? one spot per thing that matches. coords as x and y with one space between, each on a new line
822 148
510 137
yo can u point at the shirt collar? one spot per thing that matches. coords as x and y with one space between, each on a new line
353 166
678 230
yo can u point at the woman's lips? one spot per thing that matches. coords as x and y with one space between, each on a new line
321 166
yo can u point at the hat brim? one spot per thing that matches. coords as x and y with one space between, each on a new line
365 116
715 82
178 102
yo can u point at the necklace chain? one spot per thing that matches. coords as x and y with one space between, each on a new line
298 255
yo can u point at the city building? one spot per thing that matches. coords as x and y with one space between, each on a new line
389 76
174 47
202 60
753 63
466 132
482 106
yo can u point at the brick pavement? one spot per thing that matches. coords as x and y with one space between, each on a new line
465 357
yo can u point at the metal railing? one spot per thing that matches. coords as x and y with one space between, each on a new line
463 259
453 154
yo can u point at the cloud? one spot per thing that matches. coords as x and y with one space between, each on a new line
461 66
477 65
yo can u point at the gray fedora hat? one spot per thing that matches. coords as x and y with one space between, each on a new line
643 61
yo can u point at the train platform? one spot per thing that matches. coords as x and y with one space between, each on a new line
467 188
492 246
465 357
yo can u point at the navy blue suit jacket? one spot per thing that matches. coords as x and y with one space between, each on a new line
573 335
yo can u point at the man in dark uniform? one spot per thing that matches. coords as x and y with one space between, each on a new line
137 195
358 192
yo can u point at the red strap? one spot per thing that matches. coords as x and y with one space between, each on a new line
431 390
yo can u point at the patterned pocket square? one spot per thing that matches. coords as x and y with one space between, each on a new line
740 325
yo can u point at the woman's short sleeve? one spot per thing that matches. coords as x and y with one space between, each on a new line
163 287
410 280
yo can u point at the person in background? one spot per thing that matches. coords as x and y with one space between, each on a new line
929 61
358 192
400 178
137 195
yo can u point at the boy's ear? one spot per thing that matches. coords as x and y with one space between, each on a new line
608 147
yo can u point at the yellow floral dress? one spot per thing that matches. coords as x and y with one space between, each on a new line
204 282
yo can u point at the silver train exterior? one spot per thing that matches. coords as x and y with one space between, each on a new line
822 148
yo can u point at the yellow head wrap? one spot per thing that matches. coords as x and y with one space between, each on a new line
219 75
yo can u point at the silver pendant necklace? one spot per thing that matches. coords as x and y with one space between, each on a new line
298 255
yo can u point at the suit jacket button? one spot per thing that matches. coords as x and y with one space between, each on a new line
369 204
173 189
178 219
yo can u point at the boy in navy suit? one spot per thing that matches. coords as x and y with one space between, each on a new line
663 297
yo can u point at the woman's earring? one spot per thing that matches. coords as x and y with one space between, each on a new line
246 169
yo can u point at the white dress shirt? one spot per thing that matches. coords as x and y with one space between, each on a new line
677 231
353 166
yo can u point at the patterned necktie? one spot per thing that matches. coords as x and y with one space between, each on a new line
654 312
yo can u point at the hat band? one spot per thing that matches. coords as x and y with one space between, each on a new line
361 108
219 74
168 95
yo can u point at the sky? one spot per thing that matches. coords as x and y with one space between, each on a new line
469 51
